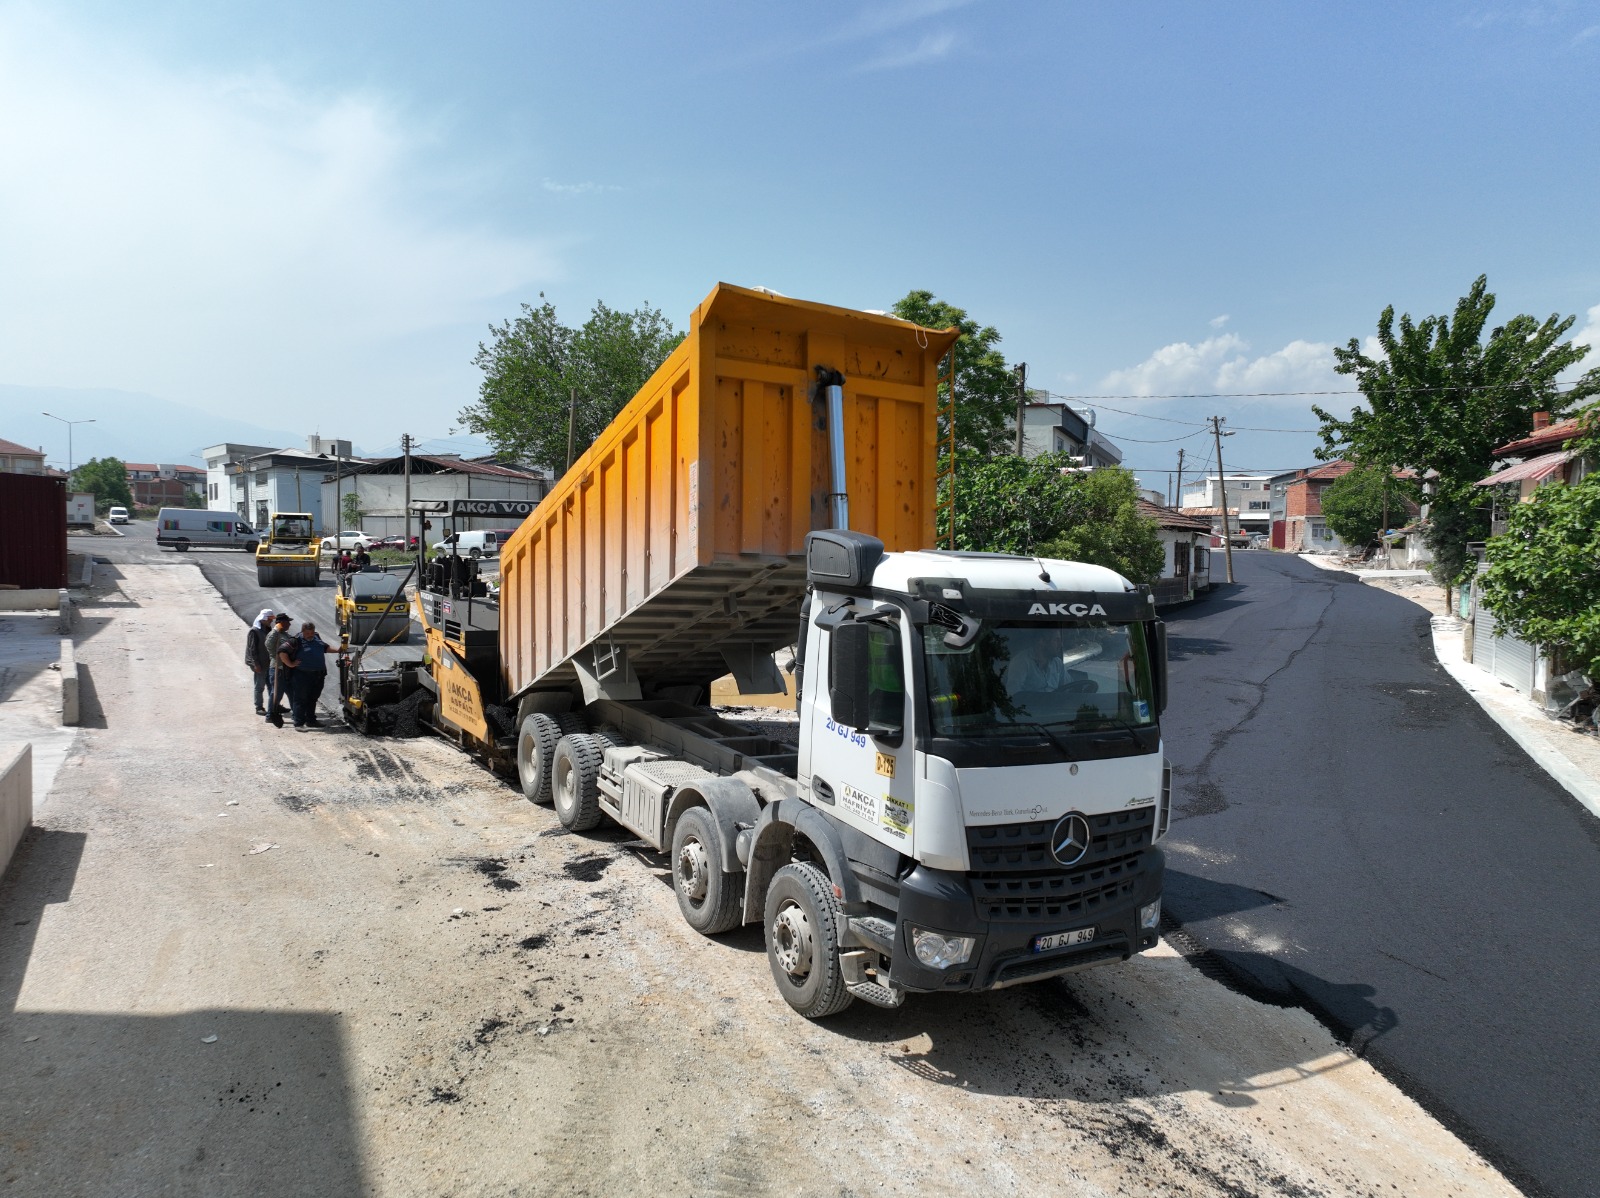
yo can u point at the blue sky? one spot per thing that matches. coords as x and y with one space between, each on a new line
305 217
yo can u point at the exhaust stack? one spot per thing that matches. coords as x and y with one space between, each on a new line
831 384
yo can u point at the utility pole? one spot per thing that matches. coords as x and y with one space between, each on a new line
405 448
1177 490
1222 485
572 427
1022 401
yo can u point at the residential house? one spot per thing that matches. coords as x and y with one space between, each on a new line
159 485
1185 541
1060 428
1528 463
1532 461
19 459
1248 502
1296 509
380 489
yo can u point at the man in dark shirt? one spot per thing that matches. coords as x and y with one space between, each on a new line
278 678
309 674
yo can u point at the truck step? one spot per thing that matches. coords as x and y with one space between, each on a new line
878 996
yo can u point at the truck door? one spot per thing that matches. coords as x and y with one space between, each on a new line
861 735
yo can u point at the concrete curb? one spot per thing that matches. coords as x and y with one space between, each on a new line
64 613
1579 784
112 528
86 579
69 684
16 802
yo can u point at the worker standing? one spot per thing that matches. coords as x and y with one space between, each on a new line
310 673
276 679
256 658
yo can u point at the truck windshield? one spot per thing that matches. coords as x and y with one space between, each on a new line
1024 677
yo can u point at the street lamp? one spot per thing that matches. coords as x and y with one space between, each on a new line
69 424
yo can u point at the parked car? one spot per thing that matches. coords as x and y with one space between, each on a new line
339 542
185 528
117 515
393 543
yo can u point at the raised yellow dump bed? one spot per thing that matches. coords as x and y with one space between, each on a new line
673 549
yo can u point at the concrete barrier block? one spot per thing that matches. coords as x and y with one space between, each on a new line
30 599
69 684
87 577
16 801
64 613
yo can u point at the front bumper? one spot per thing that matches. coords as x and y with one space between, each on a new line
942 900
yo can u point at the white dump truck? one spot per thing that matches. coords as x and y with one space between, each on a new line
978 792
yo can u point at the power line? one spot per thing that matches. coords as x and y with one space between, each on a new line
1554 386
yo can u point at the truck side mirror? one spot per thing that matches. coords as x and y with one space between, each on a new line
847 675
865 693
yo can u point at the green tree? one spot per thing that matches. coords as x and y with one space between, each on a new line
1440 397
351 509
1009 504
1542 578
108 479
986 390
1355 504
532 365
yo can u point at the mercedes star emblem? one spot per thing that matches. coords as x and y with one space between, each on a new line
1069 842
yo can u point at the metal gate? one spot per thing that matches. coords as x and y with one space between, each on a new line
1507 658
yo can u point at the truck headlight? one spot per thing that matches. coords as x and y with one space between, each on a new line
1150 916
938 951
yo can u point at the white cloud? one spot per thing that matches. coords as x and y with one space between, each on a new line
1223 365
933 47
1217 322
224 239
1589 335
579 189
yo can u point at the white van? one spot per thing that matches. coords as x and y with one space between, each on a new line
117 515
475 543
182 528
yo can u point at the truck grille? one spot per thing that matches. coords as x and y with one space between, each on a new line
1000 848
1014 877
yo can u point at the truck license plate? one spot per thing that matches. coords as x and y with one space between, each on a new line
1043 944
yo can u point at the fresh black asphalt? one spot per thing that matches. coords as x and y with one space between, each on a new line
1355 836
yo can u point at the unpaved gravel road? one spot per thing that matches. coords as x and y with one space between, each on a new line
426 987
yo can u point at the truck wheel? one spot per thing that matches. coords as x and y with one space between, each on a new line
709 898
571 721
536 750
802 922
181 545
252 546
575 781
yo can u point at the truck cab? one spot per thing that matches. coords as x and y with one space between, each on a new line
981 733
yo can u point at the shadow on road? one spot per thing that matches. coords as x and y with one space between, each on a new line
98 1103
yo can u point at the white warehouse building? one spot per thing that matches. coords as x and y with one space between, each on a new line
380 488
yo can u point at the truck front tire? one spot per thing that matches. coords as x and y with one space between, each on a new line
536 750
802 929
711 900
575 781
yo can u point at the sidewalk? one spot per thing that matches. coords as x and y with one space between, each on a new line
1571 758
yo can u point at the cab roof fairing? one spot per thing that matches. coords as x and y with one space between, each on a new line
999 572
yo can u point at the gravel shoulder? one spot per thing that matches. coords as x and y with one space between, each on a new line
425 986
